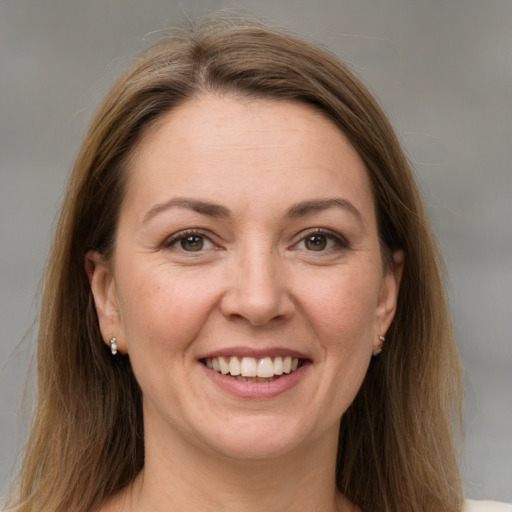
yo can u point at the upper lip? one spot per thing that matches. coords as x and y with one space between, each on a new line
257 353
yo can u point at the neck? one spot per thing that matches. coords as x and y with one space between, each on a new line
181 476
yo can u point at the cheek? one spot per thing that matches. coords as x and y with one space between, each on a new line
343 323
165 308
342 308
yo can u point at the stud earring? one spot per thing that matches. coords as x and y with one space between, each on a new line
379 348
113 345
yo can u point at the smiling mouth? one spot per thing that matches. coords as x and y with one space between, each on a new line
251 369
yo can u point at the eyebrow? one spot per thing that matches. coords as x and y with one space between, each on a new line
318 205
197 205
298 210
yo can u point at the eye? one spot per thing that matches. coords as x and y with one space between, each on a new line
190 241
319 240
316 242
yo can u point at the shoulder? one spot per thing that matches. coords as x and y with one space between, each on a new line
487 506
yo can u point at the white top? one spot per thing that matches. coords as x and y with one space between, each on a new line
487 506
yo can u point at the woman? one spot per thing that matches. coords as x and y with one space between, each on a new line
243 308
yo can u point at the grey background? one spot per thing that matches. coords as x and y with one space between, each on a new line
443 72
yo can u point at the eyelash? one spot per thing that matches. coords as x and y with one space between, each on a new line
182 235
339 241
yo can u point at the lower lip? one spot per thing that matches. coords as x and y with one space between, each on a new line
255 390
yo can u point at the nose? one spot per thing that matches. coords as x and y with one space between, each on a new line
257 290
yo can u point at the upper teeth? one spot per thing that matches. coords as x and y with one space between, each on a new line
265 367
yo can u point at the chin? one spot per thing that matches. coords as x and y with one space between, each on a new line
257 438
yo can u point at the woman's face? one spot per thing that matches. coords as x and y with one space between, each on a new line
247 243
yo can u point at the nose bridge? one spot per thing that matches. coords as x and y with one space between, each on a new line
257 290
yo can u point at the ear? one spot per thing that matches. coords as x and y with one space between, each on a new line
103 287
388 296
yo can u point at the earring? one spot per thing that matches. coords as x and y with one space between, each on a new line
113 346
381 344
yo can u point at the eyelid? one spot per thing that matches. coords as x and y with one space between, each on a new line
173 239
340 240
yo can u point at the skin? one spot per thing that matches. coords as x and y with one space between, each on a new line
256 284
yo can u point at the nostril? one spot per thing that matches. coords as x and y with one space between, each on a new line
258 310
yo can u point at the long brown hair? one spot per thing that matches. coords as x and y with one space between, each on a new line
396 450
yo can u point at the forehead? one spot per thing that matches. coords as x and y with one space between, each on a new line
253 151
